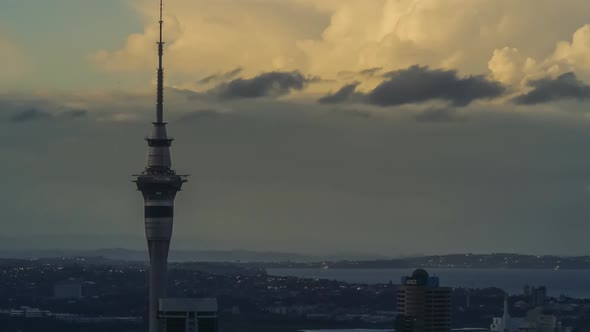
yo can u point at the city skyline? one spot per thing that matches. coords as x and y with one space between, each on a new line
308 126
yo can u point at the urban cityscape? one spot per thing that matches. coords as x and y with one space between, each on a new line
97 294
388 166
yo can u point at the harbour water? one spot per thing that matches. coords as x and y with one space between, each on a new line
574 283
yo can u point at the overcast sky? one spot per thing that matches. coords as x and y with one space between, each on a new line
317 126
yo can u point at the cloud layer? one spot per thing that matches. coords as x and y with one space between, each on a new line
327 37
350 43
419 84
271 84
34 114
428 132
265 173
565 86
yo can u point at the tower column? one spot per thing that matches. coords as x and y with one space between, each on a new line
158 250
159 184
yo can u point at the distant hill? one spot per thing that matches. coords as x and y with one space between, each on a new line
176 255
245 256
469 261
294 260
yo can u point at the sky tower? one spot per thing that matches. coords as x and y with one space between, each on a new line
159 184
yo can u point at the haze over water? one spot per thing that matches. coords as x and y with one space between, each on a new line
573 283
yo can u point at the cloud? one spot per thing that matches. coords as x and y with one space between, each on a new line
34 114
437 115
418 84
215 78
575 53
565 86
511 66
450 34
371 71
31 114
77 113
347 94
204 114
213 36
323 38
271 84
361 74
248 190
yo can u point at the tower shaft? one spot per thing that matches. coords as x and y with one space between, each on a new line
158 250
159 190
158 183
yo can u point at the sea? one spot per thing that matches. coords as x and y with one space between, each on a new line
573 283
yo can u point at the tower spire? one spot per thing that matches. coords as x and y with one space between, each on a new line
160 93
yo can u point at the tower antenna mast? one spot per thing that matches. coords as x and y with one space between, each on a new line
160 93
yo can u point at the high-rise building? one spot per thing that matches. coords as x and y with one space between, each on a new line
538 296
423 306
188 315
159 184
527 290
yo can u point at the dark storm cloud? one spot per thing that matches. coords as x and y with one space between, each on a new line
265 85
318 79
221 77
34 114
418 84
270 84
346 94
566 86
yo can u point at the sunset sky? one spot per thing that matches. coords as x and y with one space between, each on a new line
318 126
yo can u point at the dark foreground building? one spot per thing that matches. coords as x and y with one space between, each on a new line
423 306
188 315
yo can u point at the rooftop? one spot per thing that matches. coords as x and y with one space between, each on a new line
188 304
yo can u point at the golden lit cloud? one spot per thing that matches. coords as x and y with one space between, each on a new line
511 67
206 37
505 38
577 52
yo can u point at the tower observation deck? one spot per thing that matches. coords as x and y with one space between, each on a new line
159 184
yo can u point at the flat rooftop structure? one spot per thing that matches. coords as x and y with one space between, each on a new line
188 305
188 314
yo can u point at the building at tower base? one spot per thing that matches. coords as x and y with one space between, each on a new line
188 314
